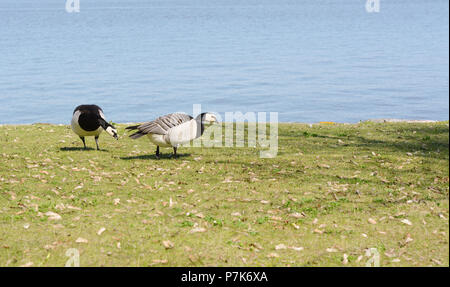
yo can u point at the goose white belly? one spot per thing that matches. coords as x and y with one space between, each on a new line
159 140
79 131
176 136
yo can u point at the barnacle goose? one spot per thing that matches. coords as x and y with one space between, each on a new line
89 120
173 130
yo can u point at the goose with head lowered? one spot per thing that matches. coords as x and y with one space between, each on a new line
89 120
173 130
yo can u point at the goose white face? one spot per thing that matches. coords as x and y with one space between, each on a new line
209 118
113 132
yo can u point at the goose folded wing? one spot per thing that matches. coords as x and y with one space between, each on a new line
163 124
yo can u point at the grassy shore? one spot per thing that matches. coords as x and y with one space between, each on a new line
332 192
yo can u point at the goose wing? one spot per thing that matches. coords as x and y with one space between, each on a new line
161 125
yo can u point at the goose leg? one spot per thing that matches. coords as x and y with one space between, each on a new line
157 151
174 152
84 142
96 142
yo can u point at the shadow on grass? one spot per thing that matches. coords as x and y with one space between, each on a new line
80 149
426 139
153 157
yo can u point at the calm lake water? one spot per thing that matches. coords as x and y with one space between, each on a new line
308 60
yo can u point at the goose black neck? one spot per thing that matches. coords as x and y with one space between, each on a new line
104 124
199 119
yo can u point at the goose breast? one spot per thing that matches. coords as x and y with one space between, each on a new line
182 133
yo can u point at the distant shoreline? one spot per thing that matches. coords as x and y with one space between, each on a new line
305 123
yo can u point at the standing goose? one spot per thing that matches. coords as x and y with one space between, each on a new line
173 130
89 120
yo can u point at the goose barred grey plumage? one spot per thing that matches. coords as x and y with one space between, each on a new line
172 130
160 126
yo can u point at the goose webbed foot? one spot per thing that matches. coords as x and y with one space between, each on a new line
175 152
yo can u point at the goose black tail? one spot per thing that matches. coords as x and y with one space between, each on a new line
137 135
132 127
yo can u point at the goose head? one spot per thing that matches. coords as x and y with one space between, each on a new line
208 118
112 131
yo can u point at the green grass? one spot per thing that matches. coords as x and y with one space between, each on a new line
318 194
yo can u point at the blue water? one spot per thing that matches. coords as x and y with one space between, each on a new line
308 60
